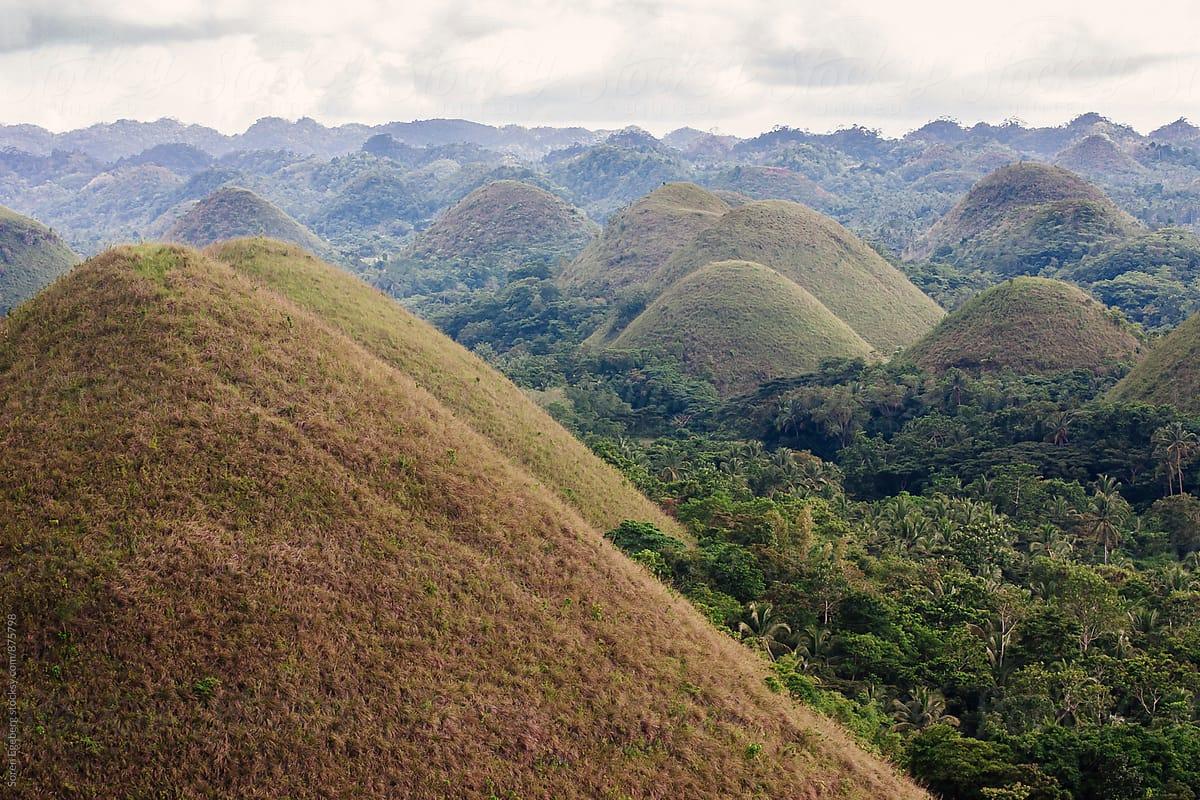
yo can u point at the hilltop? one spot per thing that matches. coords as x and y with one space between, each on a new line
473 391
254 554
1029 325
821 256
740 324
1098 155
232 212
502 226
639 238
1024 218
31 256
1170 372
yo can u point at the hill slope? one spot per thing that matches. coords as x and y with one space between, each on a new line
638 239
501 226
239 543
741 324
1170 372
31 256
472 390
1029 325
814 251
233 212
1023 218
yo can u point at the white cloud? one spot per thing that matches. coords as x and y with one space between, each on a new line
740 67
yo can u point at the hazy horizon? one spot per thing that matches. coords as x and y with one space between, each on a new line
598 65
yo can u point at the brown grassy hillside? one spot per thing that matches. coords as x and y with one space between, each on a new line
1170 372
250 558
741 324
501 226
1024 218
638 239
814 251
231 212
1029 325
472 390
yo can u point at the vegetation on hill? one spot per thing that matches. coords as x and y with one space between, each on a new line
236 540
1023 219
1170 372
741 324
638 239
232 212
31 256
499 227
1030 326
1153 278
871 296
1098 155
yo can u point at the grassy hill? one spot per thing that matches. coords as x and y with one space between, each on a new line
249 557
1170 372
232 212
1098 155
1029 325
462 382
501 226
741 324
640 238
31 256
814 251
1024 218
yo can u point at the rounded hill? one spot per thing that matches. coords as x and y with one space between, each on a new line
1029 325
1024 218
1170 372
638 239
501 226
233 212
1099 155
853 281
321 563
31 256
741 324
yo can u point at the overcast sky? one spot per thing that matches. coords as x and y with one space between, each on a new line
738 66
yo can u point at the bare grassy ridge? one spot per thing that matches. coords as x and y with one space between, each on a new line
742 324
250 558
1029 325
31 256
231 212
821 256
1170 372
639 238
476 393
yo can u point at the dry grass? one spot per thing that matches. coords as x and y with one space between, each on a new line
476 393
231 212
1030 325
852 280
741 324
638 239
1170 372
251 558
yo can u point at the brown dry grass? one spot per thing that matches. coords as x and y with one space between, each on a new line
251 558
479 395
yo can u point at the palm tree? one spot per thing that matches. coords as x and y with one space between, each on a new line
925 707
1107 511
816 644
1060 428
1176 446
762 629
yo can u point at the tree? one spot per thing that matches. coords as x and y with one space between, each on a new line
924 708
1091 603
1175 446
1106 513
762 629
